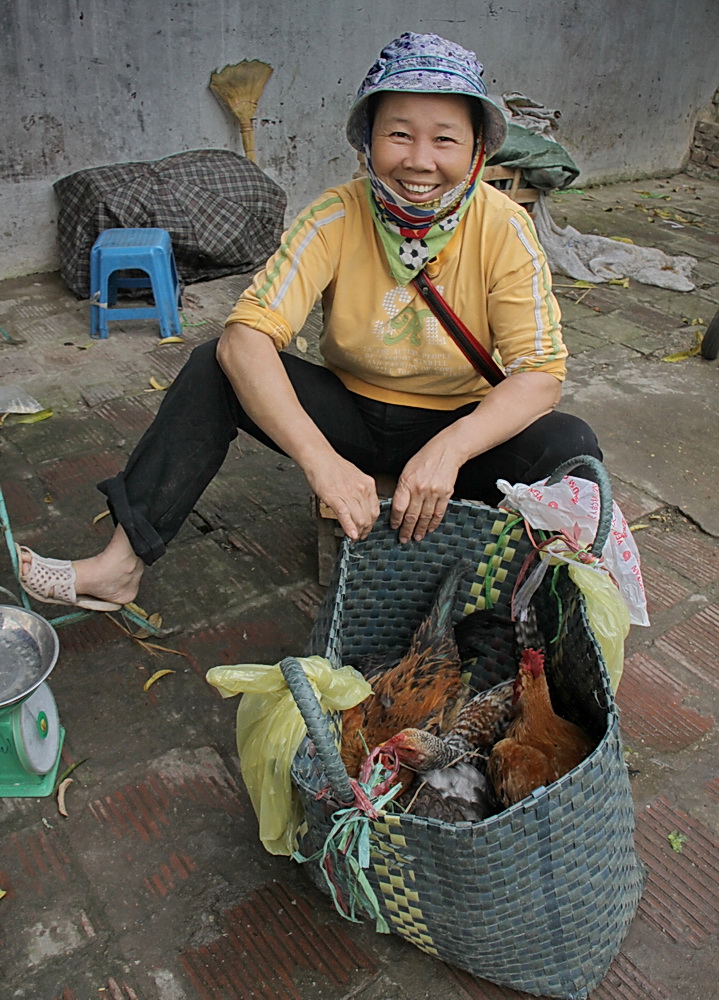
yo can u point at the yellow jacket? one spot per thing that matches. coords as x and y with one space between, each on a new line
380 338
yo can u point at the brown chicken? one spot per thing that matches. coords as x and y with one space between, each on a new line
450 784
539 746
424 689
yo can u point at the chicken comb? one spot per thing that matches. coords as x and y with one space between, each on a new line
532 661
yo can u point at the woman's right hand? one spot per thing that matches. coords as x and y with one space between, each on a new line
350 493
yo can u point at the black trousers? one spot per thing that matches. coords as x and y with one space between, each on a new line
185 445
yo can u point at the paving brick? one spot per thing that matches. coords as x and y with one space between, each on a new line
164 363
481 989
692 554
68 477
626 981
681 897
662 588
652 711
130 416
66 438
85 636
258 634
114 989
309 599
265 941
22 507
694 643
45 917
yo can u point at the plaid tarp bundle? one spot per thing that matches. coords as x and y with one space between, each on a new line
224 215
540 896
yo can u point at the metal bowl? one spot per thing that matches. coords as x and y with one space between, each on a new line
28 652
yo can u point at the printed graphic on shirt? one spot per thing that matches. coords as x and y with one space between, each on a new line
405 322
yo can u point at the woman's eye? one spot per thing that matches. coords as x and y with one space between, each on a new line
445 138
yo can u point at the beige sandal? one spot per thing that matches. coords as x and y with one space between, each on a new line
52 581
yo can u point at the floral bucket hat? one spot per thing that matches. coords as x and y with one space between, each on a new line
426 64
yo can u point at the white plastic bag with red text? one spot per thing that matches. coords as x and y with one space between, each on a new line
572 507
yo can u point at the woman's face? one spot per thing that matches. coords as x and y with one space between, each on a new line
422 144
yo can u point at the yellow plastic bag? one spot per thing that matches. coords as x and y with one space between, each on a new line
608 615
270 728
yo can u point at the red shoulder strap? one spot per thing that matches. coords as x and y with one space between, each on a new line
460 334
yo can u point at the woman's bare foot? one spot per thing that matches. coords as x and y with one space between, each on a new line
112 575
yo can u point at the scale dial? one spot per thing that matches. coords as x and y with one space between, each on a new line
36 729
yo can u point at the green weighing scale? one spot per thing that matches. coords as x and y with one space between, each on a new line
31 736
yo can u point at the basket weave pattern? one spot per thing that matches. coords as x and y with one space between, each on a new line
539 897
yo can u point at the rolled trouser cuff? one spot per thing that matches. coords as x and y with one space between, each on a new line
143 538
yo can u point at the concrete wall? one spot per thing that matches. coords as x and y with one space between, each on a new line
89 82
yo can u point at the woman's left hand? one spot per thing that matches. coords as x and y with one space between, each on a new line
423 490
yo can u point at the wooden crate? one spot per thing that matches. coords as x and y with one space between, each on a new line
509 181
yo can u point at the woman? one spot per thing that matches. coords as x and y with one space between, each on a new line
396 394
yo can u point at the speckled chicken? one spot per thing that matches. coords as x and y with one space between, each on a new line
423 689
451 784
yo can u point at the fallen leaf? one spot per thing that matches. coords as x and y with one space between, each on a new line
172 340
62 788
583 284
624 282
154 620
2 893
86 346
137 609
676 840
637 527
68 771
689 353
621 239
149 647
155 677
301 344
33 418
99 517
157 385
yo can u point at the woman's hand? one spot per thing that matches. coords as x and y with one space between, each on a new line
428 479
424 489
350 493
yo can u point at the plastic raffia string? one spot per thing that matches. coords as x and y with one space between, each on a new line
347 847
494 561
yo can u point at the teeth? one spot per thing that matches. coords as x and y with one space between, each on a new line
419 188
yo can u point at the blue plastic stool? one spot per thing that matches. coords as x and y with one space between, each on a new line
148 250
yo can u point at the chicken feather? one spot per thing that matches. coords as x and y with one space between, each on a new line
424 689
540 746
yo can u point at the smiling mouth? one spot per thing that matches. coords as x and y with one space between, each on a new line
418 188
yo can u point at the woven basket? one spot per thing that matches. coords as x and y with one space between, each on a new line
540 896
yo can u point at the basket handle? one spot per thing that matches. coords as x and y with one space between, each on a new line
605 495
318 728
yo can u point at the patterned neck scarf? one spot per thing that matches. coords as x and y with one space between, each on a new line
413 234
